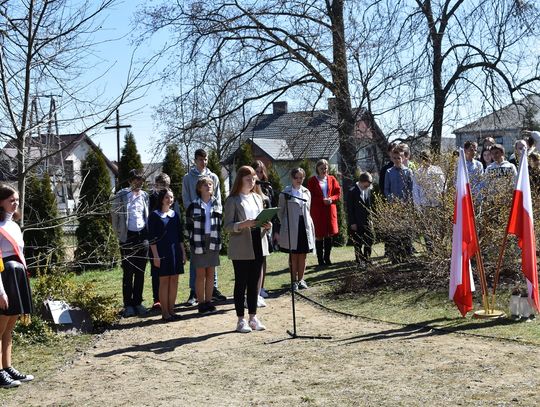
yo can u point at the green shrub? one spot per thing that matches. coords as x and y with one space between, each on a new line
38 331
434 225
97 246
62 286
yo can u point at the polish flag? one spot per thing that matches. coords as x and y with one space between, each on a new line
464 241
521 224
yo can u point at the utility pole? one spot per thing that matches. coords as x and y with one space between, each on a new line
118 126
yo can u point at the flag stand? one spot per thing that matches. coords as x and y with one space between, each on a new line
487 312
498 271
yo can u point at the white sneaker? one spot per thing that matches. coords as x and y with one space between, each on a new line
261 303
263 293
256 325
243 327
295 286
302 285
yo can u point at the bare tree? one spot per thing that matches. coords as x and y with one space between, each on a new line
473 49
200 117
275 47
45 48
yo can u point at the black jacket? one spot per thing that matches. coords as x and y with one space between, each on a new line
358 210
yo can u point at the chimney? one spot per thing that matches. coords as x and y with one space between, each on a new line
332 105
279 107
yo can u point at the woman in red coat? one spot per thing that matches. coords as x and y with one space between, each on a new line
325 192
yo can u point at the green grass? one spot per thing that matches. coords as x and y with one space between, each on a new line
418 306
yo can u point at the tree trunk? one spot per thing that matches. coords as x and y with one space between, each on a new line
21 173
340 77
438 91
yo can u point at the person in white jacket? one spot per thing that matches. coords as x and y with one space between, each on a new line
428 187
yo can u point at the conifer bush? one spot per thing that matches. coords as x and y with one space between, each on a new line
129 160
175 169
215 166
43 235
97 245
244 156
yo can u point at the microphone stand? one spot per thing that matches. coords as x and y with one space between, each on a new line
294 334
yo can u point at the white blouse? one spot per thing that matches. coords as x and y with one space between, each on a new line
7 249
323 183
250 205
15 232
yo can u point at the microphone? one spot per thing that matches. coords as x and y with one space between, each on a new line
263 183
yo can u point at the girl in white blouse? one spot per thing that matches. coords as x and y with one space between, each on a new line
15 295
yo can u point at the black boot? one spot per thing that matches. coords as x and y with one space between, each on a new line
319 249
327 250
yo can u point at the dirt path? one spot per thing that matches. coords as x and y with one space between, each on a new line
202 362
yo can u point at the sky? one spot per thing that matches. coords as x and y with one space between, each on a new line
118 24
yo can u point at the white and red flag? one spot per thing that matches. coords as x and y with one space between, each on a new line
464 241
521 224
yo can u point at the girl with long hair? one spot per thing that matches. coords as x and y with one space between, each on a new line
15 294
248 244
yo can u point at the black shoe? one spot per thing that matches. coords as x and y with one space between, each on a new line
211 308
203 308
7 381
192 300
217 296
16 375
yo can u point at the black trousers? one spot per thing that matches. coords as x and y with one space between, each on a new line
363 241
134 257
246 277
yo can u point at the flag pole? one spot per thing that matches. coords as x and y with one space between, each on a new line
498 269
479 261
487 312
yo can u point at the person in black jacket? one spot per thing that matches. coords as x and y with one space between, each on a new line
359 208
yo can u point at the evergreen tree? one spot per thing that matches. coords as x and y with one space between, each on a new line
215 166
341 238
129 160
529 121
244 155
44 236
173 167
275 181
97 245
306 165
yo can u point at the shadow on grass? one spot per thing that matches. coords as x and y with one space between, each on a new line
426 329
160 347
319 274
